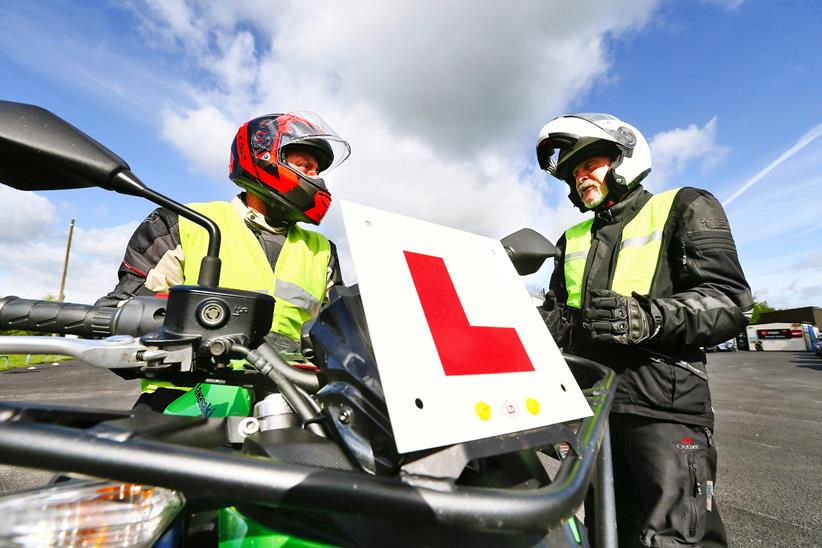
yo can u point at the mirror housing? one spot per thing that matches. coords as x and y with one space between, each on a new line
40 151
528 250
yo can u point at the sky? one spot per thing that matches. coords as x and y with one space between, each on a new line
441 103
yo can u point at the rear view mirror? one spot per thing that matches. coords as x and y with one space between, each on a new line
40 151
528 250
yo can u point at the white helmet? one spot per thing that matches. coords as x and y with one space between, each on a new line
567 140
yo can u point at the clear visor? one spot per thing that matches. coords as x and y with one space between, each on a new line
308 129
556 148
551 159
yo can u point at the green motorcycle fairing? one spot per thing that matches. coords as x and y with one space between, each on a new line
235 530
212 400
239 531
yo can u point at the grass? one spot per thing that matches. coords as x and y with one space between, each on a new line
12 361
19 360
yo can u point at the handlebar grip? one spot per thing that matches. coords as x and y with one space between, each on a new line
57 317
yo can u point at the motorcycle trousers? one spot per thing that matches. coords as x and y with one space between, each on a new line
664 480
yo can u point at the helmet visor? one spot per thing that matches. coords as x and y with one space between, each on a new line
551 149
312 133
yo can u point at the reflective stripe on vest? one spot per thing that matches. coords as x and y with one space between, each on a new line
638 253
301 275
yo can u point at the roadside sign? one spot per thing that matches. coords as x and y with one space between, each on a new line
462 352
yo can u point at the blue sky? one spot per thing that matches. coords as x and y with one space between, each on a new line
441 103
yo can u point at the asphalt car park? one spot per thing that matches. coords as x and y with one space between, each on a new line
768 431
769 434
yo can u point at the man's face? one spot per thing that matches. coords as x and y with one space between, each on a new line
303 161
589 176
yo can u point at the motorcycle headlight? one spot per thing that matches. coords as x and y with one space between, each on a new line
87 513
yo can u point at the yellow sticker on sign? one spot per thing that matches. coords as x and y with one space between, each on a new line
532 405
483 410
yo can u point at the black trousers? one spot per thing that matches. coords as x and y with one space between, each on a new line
664 478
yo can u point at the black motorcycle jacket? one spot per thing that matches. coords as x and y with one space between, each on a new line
154 255
699 297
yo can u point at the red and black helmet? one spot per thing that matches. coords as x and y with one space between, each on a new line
258 163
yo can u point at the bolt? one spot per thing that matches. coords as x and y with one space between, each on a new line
249 426
217 347
345 415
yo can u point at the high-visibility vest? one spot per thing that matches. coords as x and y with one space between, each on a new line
637 257
298 282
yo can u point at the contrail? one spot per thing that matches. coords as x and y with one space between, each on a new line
803 141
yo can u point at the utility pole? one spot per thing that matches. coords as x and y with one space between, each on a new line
62 295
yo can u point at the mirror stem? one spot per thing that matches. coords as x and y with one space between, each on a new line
125 182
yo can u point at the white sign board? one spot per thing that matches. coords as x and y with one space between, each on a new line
462 352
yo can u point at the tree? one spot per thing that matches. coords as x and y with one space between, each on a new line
758 309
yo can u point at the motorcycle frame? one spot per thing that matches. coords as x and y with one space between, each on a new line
32 436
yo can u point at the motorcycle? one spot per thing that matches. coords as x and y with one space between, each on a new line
262 454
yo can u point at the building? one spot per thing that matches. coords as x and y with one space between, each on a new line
796 337
807 314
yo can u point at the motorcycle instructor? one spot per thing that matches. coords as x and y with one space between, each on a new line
277 160
641 286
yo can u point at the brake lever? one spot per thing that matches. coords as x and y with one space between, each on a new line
116 352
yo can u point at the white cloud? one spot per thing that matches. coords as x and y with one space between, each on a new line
33 266
781 209
203 135
24 214
462 78
728 5
488 197
439 101
812 135
777 214
674 150
785 286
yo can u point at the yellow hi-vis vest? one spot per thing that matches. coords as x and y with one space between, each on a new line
638 253
298 281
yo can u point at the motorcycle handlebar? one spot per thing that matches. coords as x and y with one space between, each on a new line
136 317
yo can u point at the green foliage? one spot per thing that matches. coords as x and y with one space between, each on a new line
18 332
19 360
758 309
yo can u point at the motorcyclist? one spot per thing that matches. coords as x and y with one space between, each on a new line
641 286
277 159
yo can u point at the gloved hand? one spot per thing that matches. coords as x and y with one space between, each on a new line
614 318
552 316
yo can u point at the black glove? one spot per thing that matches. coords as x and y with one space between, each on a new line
614 318
553 318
